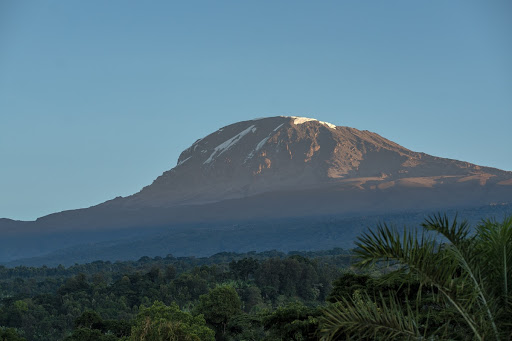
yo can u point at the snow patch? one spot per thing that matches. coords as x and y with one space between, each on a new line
194 145
183 161
279 126
262 142
300 120
330 125
249 156
221 148
259 145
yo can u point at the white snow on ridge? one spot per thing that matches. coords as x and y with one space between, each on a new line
300 120
221 148
183 161
330 125
195 144
279 126
262 142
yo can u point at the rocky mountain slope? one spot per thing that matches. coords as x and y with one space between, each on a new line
296 153
264 169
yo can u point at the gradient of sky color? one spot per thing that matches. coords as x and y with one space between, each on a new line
98 98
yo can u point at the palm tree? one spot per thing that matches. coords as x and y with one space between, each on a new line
467 274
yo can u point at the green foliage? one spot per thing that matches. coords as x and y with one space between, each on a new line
468 276
86 334
219 305
161 322
412 285
244 269
75 284
251 298
294 321
90 326
90 320
103 298
364 318
10 334
293 276
245 327
346 285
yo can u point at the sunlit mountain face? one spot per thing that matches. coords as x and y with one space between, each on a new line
281 167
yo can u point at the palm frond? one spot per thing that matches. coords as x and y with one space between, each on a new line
454 231
471 272
361 318
494 246
420 254
423 256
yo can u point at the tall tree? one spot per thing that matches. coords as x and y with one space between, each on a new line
219 305
160 322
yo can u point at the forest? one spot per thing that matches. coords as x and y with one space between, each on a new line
446 280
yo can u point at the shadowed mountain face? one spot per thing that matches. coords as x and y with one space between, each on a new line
264 169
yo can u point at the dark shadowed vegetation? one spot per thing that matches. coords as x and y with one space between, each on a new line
444 281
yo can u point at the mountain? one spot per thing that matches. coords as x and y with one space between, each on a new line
265 170
296 153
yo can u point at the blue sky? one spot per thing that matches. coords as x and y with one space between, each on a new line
98 98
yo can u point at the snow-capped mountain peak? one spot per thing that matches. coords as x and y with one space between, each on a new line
295 153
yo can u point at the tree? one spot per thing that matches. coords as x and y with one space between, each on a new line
168 323
293 321
244 268
89 319
245 327
219 305
74 284
469 276
91 327
251 298
10 334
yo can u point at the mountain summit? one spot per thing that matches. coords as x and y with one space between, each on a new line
297 153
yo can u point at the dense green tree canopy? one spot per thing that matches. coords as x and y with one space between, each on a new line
10 334
168 323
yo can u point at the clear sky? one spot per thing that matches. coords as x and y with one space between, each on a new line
98 98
